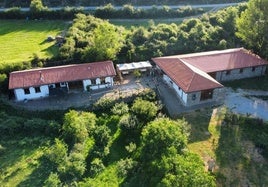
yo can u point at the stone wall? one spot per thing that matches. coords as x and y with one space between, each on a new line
240 73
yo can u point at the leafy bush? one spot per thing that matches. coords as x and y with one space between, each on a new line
57 152
102 135
78 126
104 105
52 180
144 110
124 166
129 122
120 109
96 166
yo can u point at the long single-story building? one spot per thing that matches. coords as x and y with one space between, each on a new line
42 82
196 77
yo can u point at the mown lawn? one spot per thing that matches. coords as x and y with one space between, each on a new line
128 23
20 40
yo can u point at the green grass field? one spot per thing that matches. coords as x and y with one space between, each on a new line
21 39
128 23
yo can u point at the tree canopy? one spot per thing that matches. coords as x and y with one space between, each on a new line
252 26
91 39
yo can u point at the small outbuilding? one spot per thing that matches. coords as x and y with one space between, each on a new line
42 82
127 68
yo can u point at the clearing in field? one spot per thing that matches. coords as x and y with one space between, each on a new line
20 40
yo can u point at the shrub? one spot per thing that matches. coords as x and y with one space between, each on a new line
52 180
120 109
58 152
144 110
124 166
96 166
128 122
103 104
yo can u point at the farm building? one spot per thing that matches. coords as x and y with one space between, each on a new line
42 82
130 67
196 77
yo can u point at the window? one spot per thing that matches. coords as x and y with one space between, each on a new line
102 80
241 70
26 91
37 89
228 72
253 69
194 97
93 81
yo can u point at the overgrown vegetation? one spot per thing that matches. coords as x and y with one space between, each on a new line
54 3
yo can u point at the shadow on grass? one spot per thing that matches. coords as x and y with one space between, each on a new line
256 83
240 164
199 122
40 174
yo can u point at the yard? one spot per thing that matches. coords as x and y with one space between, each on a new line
238 161
21 40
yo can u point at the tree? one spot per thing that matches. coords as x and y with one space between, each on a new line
37 6
184 170
161 135
252 26
91 39
144 110
78 126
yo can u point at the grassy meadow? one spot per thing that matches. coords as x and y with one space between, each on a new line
20 40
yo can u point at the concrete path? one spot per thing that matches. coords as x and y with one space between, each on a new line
247 102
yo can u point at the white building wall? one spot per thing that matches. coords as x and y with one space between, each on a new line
20 95
178 90
108 80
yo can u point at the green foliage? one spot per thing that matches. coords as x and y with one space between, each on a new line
37 6
252 26
52 181
78 125
58 152
144 110
92 39
120 109
128 123
161 135
184 170
102 135
103 104
96 166
130 12
124 166
137 73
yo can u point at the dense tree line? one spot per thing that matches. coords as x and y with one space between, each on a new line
209 32
26 3
129 11
38 11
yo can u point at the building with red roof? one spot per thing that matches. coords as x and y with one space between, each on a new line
196 77
42 82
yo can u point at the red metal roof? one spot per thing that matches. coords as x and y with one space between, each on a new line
188 78
229 59
57 74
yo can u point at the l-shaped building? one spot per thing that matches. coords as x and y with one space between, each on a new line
197 77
